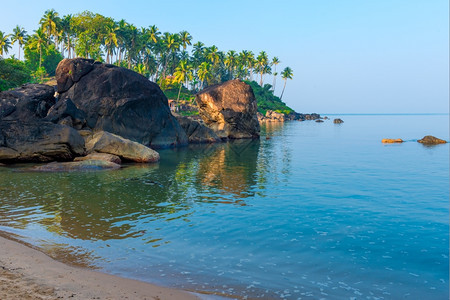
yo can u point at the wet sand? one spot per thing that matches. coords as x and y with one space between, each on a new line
26 273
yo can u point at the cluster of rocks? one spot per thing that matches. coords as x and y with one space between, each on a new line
110 114
426 140
273 116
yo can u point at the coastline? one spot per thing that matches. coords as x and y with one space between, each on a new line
27 273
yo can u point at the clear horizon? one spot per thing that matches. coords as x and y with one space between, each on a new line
359 57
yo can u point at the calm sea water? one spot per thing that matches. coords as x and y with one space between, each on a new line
317 211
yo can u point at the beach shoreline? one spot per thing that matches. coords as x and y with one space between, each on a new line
27 273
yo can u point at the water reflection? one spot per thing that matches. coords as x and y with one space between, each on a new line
113 205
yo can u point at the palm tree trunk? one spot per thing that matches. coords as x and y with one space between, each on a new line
283 89
19 51
179 91
40 56
261 82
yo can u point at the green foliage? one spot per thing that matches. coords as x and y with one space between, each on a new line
13 73
50 59
38 75
185 94
267 100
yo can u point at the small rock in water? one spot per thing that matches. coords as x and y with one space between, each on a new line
391 141
338 121
86 165
319 121
431 140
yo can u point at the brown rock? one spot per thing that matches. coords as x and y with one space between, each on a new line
391 141
229 109
274 116
106 142
338 121
197 132
431 140
100 156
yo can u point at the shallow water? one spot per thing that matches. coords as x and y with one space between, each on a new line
317 211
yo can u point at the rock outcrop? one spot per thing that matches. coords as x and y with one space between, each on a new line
26 136
391 141
105 142
100 156
197 132
431 140
229 109
338 121
76 166
119 101
65 112
273 116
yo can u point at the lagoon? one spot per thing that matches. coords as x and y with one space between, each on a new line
318 210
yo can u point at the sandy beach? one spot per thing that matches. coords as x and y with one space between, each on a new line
26 273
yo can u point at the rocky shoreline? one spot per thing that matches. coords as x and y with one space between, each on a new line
102 108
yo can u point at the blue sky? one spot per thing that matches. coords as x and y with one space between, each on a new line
348 56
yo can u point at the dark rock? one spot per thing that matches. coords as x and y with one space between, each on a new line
38 141
431 140
197 132
311 116
30 101
119 101
106 142
261 117
100 156
319 121
229 109
76 166
338 121
64 109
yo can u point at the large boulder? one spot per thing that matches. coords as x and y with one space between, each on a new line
105 142
431 140
197 132
119 101
30 101
100 156
38 141
229 109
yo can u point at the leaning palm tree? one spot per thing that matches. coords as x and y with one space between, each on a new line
20 36
50 22
5 44
38 41
182 73
286 74
275 62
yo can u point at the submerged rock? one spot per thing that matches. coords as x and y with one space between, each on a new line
197 132
100 156
230 110
431 140
319 121
86 165
119 101
391 141
106 142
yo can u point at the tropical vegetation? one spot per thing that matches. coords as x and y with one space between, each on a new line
172 60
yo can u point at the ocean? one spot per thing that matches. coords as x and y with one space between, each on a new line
309 211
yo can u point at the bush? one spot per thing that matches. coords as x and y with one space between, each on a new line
267 100
13 73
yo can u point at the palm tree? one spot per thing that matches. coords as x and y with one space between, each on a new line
262 62
20 36
230 62
67 35
185 38
286 74
275 62
5 44
38 41
110 43
121 38
204 72
154 33
50 22
182 73
171 45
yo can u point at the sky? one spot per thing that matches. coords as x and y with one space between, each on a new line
347 56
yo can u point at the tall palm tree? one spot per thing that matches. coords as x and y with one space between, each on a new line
275 62
66 34
286 74
182 73
20 36
185 38
50 22
121 38
262 62
5 44
171 45
230 62
110 43
38 41
204 72
154 33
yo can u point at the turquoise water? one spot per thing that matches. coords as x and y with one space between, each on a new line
317 211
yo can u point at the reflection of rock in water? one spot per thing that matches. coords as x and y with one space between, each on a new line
271 128
230 168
